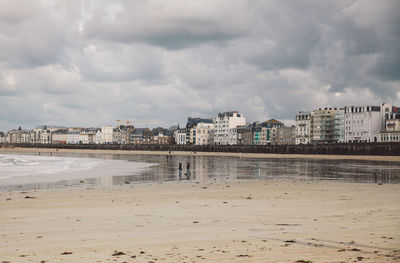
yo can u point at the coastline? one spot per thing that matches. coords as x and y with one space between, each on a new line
225 154
223 221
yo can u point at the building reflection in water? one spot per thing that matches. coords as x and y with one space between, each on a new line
204 168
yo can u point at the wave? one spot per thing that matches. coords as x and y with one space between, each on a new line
54 168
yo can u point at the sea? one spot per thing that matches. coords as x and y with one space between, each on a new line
58 170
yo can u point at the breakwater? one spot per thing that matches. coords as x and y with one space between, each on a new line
383 149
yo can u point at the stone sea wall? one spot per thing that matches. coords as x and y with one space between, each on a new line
389 149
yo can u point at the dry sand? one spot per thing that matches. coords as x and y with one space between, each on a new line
252 155
224 221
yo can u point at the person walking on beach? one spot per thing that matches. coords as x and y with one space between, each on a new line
180 170
187 170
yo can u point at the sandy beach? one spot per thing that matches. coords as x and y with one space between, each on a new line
216 221
251 155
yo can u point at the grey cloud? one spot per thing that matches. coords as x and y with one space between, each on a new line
110 62
173 25
34 34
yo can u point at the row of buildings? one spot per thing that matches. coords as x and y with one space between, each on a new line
230 128
227 128
105 135
349 124
324 125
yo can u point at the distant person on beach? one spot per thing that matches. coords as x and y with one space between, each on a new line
188 170
180 169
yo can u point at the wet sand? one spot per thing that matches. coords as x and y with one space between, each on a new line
251 155
214 221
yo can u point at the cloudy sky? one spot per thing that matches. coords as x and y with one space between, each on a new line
89 63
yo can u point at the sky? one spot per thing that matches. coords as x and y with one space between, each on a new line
84 63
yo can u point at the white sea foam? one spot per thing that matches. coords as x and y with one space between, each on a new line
36 168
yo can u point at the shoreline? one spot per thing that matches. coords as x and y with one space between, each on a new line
223 154
235 221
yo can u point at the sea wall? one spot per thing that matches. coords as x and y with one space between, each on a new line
388 149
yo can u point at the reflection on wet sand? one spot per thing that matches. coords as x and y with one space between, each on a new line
204 168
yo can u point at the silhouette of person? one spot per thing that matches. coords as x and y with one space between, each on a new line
180 169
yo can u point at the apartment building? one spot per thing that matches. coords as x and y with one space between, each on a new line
303 131
73 137
392 127
285 136
323 125
224 122
363 123
198 130
180 136
107 134
59 136
88 136
42 134
202 132
338 124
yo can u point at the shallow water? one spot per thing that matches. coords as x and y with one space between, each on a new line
127 169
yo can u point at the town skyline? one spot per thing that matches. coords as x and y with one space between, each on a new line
154 123
355 123
89 63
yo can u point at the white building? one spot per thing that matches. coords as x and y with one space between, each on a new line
202 132
59 136
107 134
392 127
117 136
73 137
88 136
97 137
363 123
224 122
180 136
232 136
303 128
42 134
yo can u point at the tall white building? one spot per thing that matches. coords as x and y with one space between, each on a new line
224 123
303 128
363 123
180 136
107 134
97 137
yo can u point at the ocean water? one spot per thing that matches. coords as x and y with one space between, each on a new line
27 169
93 169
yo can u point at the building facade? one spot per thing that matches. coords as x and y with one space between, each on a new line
303 128
197 130
107 134
224 122
392 127
180 136
59 136
285 136
339 126
323 125
363 123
